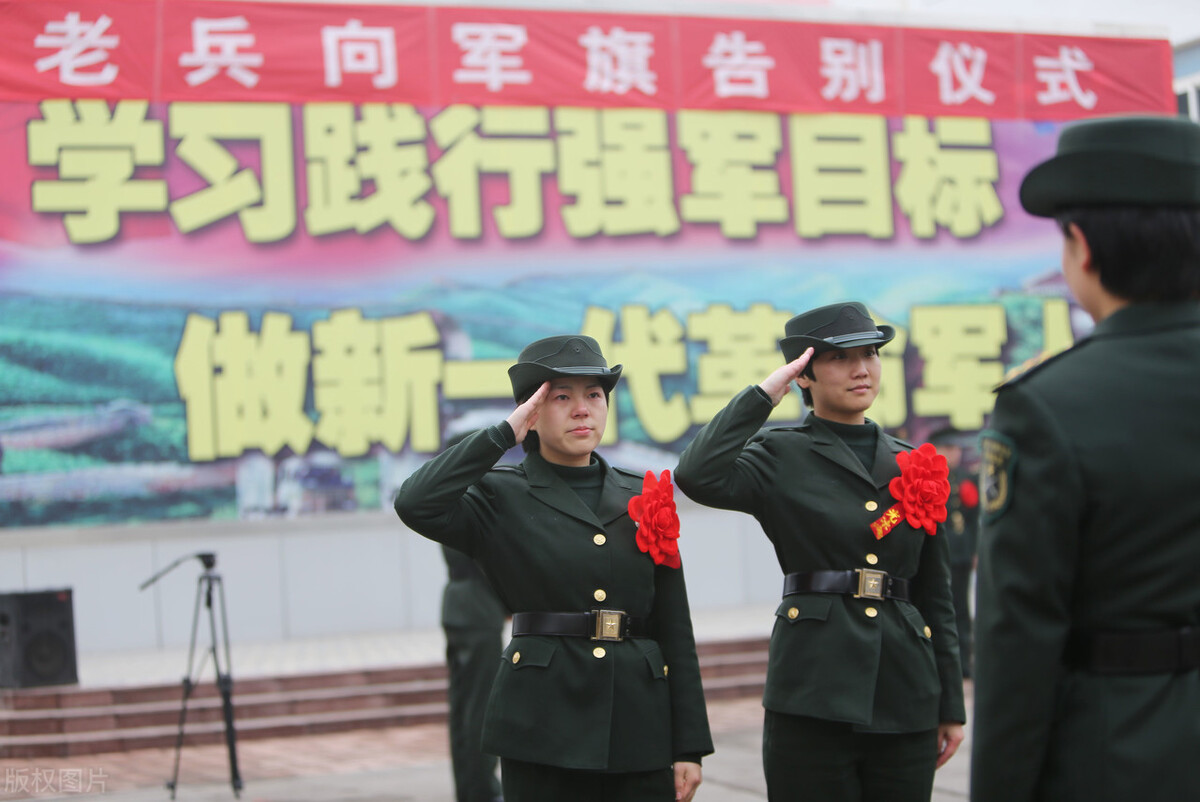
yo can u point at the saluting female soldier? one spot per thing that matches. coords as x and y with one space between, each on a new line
864 691
598 694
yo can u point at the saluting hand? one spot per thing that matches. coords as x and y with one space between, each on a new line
687 780
524 416
777 385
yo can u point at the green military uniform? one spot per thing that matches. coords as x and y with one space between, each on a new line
1094 524
962 531
884 666
628 706
860 675
1086 647
473 620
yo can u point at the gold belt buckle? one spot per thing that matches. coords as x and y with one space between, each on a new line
870 583
608 625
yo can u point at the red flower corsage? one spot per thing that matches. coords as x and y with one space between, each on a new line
969 493
658 524
921 492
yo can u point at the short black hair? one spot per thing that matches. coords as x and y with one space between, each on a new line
806 393
1142 254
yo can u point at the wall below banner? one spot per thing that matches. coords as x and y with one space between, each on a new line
313 577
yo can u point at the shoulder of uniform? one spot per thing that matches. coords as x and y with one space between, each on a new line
803 426
1031 366
517 469
629 473
903 444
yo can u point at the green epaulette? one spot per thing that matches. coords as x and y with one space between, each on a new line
1030 366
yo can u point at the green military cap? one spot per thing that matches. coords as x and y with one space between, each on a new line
1118 161
825 328
562 355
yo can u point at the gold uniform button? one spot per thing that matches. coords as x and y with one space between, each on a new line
872 506
666 670
599 595
872 559
871 612
516 658
599 539
928 632
598 652
793 612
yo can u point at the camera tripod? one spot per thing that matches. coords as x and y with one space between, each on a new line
204 591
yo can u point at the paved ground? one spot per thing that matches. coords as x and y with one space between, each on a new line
401 764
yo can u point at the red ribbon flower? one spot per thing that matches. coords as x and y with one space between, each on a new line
969 493
658 523
921 492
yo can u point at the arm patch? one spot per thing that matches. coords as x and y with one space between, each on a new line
998 465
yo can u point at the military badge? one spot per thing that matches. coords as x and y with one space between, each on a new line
999 460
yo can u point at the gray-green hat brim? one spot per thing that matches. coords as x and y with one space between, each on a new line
1108 178
526 377
795 345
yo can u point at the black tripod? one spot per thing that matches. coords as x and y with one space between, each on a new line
204 590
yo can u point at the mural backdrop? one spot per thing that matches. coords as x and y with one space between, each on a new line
262 259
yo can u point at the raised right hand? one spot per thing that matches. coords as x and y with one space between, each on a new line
524 416
777 385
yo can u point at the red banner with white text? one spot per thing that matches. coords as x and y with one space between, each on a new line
304 52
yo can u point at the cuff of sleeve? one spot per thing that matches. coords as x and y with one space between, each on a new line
761 393
503 435
693 758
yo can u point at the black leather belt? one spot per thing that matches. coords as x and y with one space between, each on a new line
613 625
861 583
1166 651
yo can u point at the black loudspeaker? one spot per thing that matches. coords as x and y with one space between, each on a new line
37 639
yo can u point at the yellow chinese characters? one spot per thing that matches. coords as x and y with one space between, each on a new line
610 172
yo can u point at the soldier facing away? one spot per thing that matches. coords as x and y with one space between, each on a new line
1087 644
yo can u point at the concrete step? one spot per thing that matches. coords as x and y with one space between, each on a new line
207 708
44 722
58 697
211 732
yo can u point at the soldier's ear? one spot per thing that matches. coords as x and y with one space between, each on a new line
1083 249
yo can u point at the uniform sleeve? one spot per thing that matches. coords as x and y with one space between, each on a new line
442 499
671 621
713 470
1028 548
933 597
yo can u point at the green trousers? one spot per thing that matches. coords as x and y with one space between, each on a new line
471 659
813 759
535 782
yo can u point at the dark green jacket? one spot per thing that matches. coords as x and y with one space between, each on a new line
833 658
468 601
962 520
636 707
1092 521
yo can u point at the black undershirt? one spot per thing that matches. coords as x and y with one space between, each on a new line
860 437
587 482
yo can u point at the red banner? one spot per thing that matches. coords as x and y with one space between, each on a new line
197 50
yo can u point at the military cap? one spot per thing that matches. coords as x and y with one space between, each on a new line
1118 161
563 355
825 328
